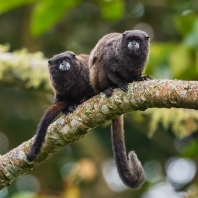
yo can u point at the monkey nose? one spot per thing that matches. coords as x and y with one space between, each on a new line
133 46
64 66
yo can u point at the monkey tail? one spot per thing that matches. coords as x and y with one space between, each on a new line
46 120
130 170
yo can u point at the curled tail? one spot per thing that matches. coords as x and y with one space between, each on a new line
130 170
46 120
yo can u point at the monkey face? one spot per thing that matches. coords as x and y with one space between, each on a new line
63 62
135 42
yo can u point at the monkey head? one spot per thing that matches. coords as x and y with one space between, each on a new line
63 62
135 42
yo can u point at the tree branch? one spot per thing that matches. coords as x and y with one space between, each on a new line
98 110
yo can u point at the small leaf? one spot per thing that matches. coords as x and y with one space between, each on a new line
47 13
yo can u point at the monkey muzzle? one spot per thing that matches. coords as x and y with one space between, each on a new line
133 46
64 66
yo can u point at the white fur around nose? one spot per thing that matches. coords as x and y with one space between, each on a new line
64 66
134 46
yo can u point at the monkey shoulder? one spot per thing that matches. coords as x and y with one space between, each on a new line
83 58
103 48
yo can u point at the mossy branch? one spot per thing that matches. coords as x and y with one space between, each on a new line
98 110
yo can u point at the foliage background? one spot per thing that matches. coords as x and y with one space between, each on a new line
86 168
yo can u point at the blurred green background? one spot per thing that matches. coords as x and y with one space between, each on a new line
86 168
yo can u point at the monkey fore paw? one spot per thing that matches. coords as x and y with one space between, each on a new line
147 77
108 92
143 78
124 87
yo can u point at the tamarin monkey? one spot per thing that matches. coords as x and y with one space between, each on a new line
69 77
116 60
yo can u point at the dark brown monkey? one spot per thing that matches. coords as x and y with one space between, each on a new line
69 77
117 60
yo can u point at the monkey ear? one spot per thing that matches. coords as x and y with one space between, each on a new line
73 55
147 37
49 61
123 34
94 59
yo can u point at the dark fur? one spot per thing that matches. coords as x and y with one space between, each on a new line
71 88
113 65
46 120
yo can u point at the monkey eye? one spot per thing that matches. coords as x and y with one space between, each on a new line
59 61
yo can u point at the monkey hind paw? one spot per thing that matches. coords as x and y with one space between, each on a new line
70 109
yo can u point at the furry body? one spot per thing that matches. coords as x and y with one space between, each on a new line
117 60
69 77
